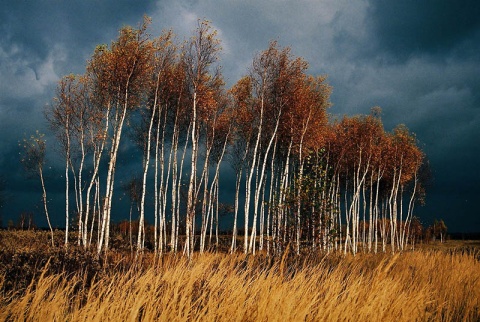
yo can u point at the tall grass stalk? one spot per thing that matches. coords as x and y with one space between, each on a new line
416 286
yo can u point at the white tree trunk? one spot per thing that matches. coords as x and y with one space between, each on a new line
259 186
44 197
192 183
141 222
67 160
249 180
97 156
107 205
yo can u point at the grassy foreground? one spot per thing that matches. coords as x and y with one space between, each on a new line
413 286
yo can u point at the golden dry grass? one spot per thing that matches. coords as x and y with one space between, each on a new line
413 286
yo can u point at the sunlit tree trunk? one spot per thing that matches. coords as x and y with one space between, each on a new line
270 211
180 184
67 188
141 223
259 187
44 198
300 182
192 182
411 205
248 185
97 156
107 205
173 236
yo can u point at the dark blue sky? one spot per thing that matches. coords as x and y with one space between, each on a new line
418 60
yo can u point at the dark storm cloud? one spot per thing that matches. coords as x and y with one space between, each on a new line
36 27
418 61
42 41
409 27
427 76
247 27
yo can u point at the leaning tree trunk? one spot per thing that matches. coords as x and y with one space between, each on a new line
259 186
107 205
249 180
97 156
44 197
141 223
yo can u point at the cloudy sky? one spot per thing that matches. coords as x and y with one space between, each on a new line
418 60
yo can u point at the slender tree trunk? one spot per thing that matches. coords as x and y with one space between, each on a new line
174 187
97 156
107 206
141 222
156 188
411 205
370 213
164 193
259 187
270 199
180 183
249 180
239 171
192 183
347 217
67 188
238 180
80 188
300 183
75 188
44 197
282 215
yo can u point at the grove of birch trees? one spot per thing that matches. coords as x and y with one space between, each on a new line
301 179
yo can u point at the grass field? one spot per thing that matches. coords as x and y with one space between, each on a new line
433 283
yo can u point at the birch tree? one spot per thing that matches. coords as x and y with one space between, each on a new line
242 123
122 78
162 59
199 56
59 116
33 160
